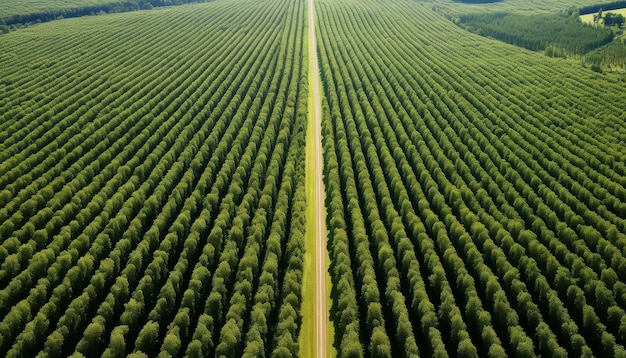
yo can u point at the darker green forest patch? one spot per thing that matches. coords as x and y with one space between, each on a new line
113 7
611 57
606 7
556 34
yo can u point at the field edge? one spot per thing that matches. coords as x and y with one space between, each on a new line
307 330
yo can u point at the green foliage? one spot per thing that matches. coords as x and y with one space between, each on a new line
601 6
147 338
468 189
557 34
154 201
612 56
611 19
18 13
153 194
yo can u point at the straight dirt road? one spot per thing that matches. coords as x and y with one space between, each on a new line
320 223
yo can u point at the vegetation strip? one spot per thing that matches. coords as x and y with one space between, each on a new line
308 339
21 14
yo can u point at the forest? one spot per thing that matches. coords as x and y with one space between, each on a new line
153 200
558 34
596 7
612 55
25 12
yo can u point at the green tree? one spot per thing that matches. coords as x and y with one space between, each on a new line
147 338
380 346
92 339
467 349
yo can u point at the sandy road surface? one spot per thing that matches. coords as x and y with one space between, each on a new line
320 225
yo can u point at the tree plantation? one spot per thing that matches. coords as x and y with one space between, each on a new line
153 200
153 183
476 196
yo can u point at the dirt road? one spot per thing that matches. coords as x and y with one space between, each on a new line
320 227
